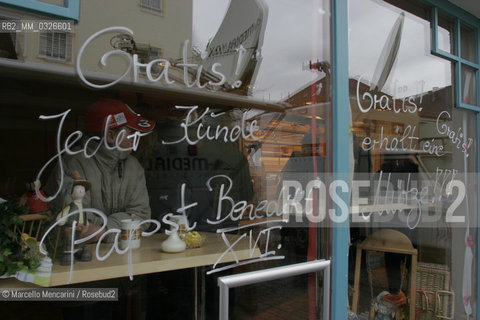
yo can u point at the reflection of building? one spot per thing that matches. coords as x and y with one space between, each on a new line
234 48
314 92
153 37
288 137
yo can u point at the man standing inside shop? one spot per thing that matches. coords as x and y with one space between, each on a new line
118 180
118 189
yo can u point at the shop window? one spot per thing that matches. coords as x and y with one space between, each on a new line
402 90
155 5
240 94
55 45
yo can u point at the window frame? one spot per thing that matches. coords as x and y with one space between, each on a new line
456 56
68 46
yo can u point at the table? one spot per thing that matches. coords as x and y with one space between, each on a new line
147 259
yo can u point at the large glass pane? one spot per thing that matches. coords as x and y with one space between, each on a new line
414 160
218 137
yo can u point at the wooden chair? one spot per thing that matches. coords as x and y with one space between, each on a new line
387 240
29 222
32 225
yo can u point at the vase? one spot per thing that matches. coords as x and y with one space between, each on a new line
173 243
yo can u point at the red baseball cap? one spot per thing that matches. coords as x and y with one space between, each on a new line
121 114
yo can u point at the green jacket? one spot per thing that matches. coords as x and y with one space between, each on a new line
118 185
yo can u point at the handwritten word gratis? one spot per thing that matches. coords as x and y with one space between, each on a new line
135 65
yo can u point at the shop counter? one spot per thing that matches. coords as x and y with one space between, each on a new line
149 258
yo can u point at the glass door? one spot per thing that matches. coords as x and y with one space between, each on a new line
415 162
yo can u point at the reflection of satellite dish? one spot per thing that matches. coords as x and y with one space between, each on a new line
388 56
237 43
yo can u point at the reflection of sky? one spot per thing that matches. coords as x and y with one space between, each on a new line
370 24
290 35
293 28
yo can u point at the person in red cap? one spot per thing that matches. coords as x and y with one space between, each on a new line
121 115
118 187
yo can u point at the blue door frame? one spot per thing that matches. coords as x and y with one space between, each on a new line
341 156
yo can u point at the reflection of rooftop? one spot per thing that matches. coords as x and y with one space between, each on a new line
313 92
